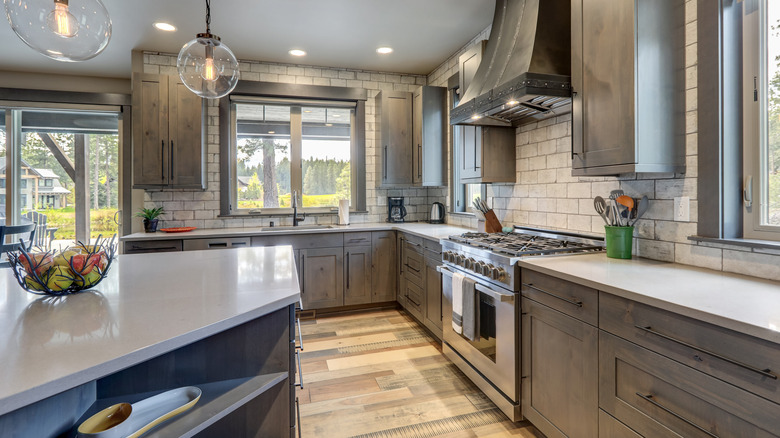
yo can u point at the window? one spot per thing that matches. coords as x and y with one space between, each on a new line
24 183
462 194
48 182
286 146
761 97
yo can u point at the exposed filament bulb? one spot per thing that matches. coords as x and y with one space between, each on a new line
61 21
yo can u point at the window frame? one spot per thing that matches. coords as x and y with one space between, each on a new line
271 92
755 106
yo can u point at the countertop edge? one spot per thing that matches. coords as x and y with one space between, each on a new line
54 387
692 312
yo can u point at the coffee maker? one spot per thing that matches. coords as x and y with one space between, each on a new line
395 209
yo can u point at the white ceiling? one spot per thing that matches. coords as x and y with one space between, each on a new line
334 33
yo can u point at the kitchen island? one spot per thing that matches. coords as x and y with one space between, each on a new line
219 320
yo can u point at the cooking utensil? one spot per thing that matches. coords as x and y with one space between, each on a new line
641 209
627 202
616 194
601 208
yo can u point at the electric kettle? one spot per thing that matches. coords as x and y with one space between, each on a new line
437 213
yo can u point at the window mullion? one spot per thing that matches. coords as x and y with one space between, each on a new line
13 166
296 146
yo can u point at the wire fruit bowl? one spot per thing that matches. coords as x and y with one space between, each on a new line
77 268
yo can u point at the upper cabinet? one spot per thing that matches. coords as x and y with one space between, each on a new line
485 154
412 148
429 136
395 142
168 139
628 78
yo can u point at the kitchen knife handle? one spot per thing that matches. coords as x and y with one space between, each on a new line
765 372
649 398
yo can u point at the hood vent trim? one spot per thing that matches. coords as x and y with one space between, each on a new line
531 83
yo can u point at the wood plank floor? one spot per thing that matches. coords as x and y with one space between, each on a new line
378 374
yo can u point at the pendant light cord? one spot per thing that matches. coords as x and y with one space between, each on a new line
208 16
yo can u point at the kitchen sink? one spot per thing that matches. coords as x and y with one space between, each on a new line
299 227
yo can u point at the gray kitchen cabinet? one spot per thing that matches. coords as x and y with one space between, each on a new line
433 315
560 372
400 243
429 136
487 155
216 243
611 428
384 277
395 138
628 105
147 246
322 278
168 134
357 274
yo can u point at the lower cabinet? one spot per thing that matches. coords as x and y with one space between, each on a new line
384 278
321 277
357 275
560 372
611 428
433 316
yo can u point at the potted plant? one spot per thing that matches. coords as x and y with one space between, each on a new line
150 216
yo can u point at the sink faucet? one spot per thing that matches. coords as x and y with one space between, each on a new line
296 218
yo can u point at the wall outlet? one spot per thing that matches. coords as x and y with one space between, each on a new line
682 209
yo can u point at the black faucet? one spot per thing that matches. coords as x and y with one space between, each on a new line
296 218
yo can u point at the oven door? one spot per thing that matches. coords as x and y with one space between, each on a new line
496 354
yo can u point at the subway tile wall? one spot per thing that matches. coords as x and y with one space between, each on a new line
201 208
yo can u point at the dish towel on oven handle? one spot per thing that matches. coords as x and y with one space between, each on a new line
465 311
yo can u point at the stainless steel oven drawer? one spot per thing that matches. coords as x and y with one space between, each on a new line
741 360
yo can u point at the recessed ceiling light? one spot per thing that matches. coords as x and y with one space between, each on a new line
166 27
297 52
329 124
335 115
272 132
512 103
476 117
307 111
384 50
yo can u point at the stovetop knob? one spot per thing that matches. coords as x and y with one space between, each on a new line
481 268
498 274
469 263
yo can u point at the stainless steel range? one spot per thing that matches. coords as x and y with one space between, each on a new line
492 361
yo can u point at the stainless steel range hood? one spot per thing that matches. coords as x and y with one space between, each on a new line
525 73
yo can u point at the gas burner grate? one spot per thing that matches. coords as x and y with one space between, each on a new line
524 244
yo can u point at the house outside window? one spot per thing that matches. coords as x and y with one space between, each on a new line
48 182
761 109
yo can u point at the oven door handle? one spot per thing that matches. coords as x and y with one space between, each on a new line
479 287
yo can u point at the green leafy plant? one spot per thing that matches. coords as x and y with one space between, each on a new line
150 213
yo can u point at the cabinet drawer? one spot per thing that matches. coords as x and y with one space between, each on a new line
355 239
415 241
611 428
570 298
741 360
301 241
229 242
145 246
414 299
413 265
658 397
432 246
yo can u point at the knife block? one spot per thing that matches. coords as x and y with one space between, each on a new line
492 225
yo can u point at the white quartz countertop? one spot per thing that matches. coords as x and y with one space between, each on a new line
431 231
745 304
148 304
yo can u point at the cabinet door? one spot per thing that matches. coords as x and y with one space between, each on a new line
321 277
415 300
150 130
383 266
604 124
433 316
186 151
357 274
471 153
396 133
560 369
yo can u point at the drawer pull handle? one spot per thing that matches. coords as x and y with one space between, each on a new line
765 372
412 268
572 302
300 334
298 416
413 301
300 374
649 399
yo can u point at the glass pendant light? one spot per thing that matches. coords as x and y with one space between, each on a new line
206 66
65 30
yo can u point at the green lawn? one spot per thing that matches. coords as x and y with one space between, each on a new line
329 200
64 219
